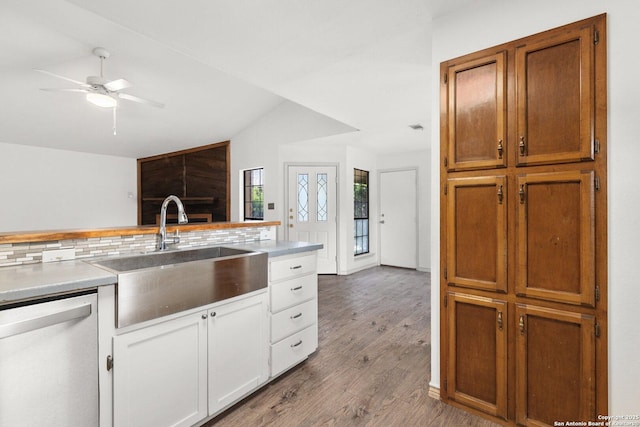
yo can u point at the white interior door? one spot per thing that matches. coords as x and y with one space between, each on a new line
398 218
312 211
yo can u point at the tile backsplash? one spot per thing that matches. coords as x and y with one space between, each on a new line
31 253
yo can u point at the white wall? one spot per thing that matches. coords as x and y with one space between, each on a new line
291 134
47 189
257 146
486 23
421 161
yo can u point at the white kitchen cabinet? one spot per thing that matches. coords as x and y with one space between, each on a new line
180 371
293 290
160 373
238 350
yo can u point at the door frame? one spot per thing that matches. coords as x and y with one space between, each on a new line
417 210
288 165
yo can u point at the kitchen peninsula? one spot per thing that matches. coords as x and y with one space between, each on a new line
125 374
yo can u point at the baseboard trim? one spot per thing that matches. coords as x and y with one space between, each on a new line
434 392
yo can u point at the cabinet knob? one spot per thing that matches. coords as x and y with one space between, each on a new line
521 324
500 149
213 314
204 316
522 146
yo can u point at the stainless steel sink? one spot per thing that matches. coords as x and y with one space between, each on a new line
162 283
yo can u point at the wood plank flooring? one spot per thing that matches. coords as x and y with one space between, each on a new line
372 367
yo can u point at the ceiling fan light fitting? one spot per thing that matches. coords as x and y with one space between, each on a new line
102 100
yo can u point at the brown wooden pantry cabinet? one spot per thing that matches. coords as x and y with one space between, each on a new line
523 219
198 176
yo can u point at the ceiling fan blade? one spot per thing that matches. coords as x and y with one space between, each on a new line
65 90
118 84
140 100
83 84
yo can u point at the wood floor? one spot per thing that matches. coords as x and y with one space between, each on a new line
372 367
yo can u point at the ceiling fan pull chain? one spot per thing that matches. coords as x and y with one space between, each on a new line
114 120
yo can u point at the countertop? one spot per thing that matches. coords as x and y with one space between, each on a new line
278 248
44 279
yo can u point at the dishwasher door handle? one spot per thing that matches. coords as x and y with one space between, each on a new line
15 328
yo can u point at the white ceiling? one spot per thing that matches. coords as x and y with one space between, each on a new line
217 65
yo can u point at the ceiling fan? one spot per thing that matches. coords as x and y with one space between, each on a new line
100 90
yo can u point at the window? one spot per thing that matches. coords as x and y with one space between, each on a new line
360 212
253 194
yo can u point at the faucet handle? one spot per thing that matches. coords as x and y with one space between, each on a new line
176 236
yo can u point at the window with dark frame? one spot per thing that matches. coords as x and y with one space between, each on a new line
360 212
253 194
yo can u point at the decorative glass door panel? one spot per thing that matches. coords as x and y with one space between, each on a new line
311 211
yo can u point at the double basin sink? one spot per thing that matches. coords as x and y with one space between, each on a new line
162 283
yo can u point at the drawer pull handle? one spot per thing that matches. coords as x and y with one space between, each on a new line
296 344
27 325
296 316
295 267
297 288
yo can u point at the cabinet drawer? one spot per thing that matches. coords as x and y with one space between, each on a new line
292 267
293 319
291 351
293 292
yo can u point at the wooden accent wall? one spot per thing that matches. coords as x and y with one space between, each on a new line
198 176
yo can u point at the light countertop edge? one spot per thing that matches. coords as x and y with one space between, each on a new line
275 248
31 281
44 279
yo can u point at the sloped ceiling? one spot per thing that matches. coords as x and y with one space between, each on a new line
217 66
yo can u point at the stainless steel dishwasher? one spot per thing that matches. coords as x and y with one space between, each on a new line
49 362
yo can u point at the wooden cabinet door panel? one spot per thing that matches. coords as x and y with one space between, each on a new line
477 232
477 369
555 366
556 237
555 99
477 122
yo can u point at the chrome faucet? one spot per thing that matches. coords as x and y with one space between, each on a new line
182 219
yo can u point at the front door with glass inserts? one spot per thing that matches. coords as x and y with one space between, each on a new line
311 211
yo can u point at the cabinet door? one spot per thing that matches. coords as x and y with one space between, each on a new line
556 237
476 113
555 366
477 366
555 99
160 374
477 232
238 350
